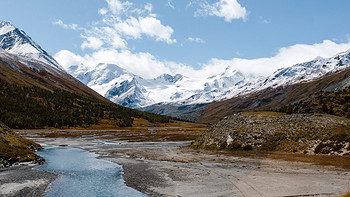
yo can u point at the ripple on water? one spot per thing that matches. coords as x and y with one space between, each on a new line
82 174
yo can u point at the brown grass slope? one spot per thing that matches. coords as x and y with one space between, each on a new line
36 95
270 99
15 72
273 131
14 148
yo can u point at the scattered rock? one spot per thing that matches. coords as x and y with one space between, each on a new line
270 131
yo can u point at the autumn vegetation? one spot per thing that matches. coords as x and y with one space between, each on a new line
31 107
15 148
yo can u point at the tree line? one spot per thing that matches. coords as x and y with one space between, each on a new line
32 107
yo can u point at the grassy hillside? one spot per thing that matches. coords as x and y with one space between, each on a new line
14 148
272 131
24 107
334 103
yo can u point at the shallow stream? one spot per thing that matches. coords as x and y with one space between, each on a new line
82 174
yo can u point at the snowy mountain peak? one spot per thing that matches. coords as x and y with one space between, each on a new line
6 27
17 42
111 67
129 93
169 78
229 71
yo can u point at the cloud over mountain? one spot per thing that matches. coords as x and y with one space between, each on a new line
227 9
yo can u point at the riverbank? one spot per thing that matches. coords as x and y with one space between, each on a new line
23 180
169 169
158 165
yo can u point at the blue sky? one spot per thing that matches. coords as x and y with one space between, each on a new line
149 37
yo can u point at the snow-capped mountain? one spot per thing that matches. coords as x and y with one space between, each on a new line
129 93
225 85
17 42
24 63
130 90
307 71
102 77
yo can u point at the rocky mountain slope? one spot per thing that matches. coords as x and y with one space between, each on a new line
271 131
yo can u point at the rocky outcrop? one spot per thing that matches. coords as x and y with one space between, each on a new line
270 131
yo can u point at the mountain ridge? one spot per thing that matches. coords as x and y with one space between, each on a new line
155 94
16 41
273 98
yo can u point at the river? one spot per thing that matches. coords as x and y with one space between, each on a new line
82 174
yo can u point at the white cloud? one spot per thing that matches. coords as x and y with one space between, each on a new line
65 26
264 21
122 21
153 28
148 66
149 26
103 11
196 40
285 57
112 38
170 4
149 7
142 64
228 9
117 7
67 59
92 43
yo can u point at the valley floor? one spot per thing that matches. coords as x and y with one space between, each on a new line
169 168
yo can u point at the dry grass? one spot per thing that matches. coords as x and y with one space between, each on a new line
14 148
346 195
142 131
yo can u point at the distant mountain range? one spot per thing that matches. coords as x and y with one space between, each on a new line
185 97
128 89
36 92
174 95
